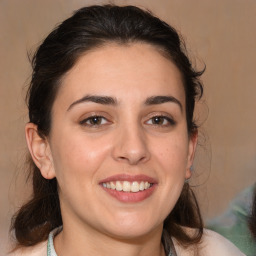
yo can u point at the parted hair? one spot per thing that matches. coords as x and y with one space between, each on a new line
89 28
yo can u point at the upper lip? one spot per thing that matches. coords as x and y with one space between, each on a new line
127 177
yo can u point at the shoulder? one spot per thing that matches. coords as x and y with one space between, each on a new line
215 244
212 244
37 250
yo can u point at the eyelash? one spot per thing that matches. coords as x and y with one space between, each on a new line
91 119
170 121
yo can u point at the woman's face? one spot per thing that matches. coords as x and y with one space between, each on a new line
119 143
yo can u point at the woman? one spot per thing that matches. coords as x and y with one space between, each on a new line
112 139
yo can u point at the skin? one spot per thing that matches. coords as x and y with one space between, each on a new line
129 140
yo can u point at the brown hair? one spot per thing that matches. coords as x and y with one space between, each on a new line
92 27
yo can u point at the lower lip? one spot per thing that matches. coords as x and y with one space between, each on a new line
131 197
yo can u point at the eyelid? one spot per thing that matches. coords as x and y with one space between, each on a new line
90 118
91 115
167 117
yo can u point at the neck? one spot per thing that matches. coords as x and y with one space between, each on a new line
79 241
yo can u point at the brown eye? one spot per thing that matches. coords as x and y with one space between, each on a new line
161 121
94 121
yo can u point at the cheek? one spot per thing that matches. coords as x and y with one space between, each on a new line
171 160
77 157
172 155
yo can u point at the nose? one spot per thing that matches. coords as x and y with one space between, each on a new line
131 146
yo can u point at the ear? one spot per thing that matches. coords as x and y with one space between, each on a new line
191 153
40 151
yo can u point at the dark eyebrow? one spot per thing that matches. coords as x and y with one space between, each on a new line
162 99
104 100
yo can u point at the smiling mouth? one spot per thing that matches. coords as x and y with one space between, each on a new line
127 186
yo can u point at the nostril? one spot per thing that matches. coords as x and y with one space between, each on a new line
132 160
122 158
131 147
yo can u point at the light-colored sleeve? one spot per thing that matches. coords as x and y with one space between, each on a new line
213 244
37 250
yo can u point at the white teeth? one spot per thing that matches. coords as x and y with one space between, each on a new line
127 186
147 185
135 187
112 185
119 186
142 185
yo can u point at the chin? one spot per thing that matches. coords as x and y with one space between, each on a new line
131 229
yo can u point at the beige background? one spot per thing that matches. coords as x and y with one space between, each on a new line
219 33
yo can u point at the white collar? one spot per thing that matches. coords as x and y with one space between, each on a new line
50 246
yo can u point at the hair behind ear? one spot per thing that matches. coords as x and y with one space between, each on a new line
34 220
186 213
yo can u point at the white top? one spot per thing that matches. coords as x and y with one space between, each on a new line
212 244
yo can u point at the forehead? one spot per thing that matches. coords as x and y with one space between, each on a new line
132 69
